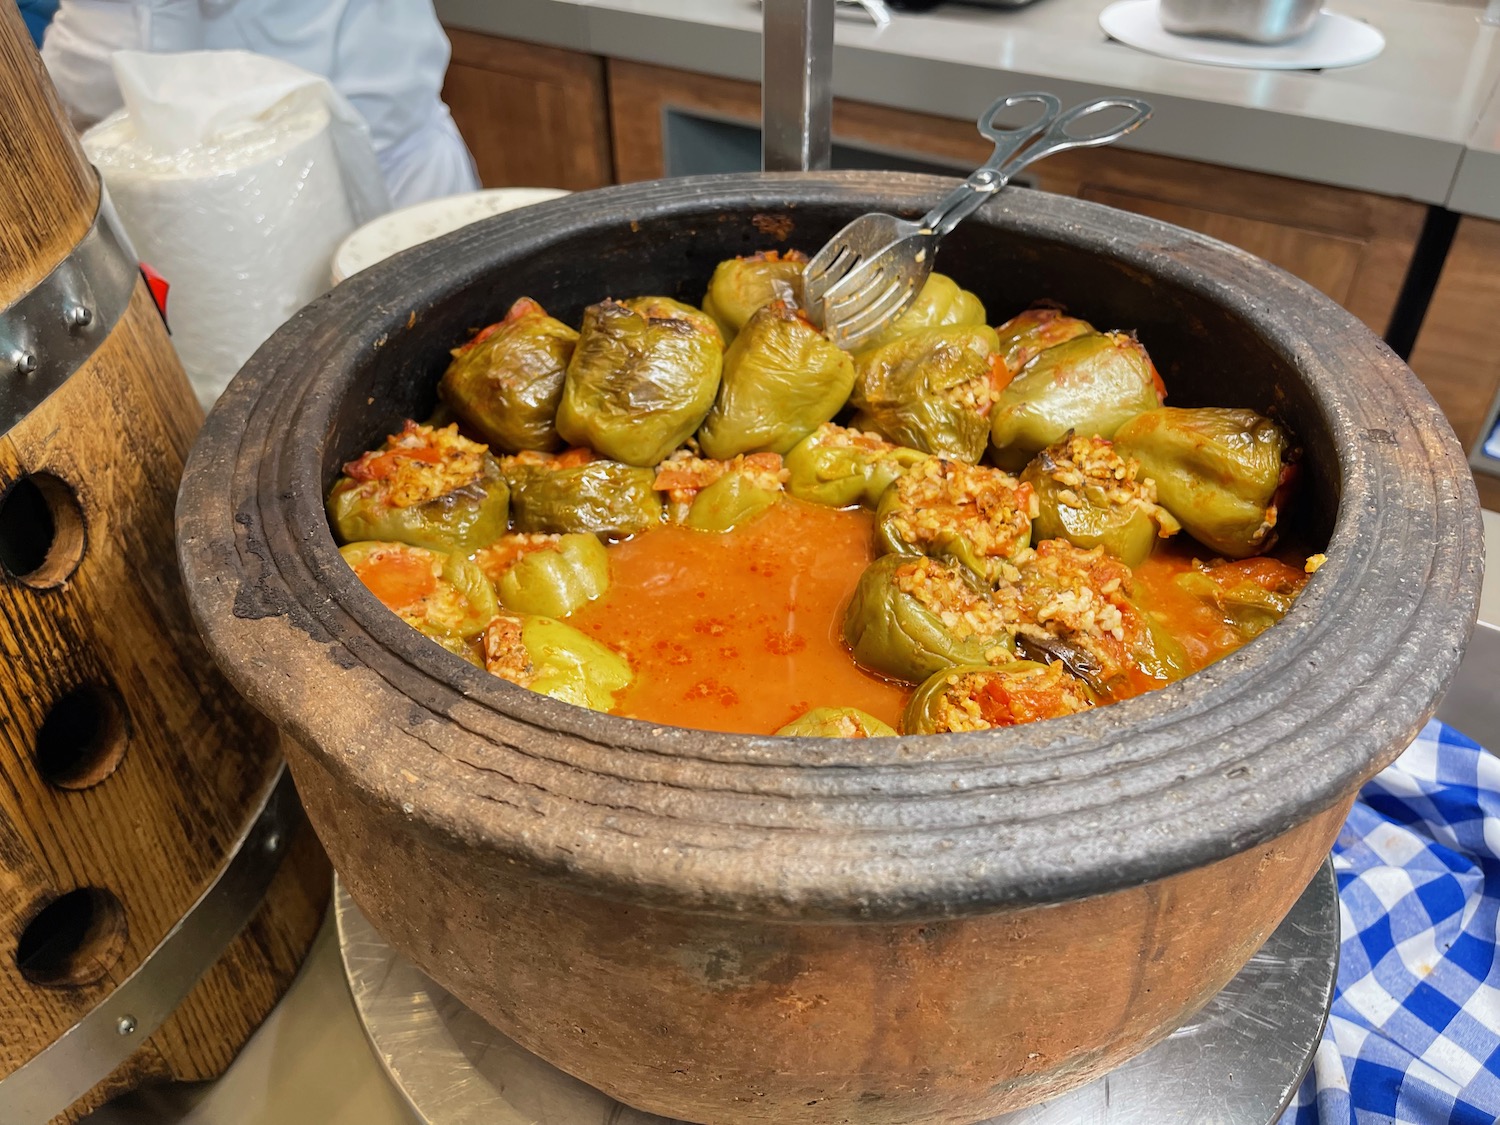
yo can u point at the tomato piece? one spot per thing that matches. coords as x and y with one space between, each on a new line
398 579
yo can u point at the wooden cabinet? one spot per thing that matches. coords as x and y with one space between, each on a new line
1456 354
1353 245
533 116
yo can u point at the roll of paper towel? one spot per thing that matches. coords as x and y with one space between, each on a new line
242 221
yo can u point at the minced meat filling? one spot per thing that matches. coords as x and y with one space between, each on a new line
419 464
942 589
497 559
989 508
505 653
1089 470
982 700
1078 595
683 475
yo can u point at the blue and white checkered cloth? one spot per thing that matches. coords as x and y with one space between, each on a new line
1414 1034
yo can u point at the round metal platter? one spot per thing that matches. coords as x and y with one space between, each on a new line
1237 1062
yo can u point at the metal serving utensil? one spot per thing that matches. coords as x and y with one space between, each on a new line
868 273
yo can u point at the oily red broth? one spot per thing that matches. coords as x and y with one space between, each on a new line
740 630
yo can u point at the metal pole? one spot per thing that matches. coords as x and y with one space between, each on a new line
796 93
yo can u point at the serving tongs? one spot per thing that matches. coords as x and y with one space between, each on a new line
868 273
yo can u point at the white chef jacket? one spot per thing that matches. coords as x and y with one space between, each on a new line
386 56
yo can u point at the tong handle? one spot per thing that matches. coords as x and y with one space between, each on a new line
985 180
1060 138
1016 148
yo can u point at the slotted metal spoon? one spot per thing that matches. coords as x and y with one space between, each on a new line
870 271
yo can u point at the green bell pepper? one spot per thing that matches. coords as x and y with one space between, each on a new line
911 616
638 386
940 303
553 658
1091 385
840 467
1026 336
557 580
444 596
930 390
741 286
505 384
598 497
782 380
733 500
1085 600
1217 469
974 697
1089 495
977 516
715 495
1250 595
428 487
836 722
666 308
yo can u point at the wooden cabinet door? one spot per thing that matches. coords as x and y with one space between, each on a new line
1455 354
1352 245
532 116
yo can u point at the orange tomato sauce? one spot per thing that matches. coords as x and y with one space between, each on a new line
741 630
398 578
1195 623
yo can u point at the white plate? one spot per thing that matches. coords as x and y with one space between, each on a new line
1332 41
403 229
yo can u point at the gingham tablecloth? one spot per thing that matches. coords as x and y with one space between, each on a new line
1414 1034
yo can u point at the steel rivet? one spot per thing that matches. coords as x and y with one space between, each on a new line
80 316
24 363
125 1025
273 841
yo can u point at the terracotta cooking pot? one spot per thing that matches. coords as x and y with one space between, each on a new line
729 928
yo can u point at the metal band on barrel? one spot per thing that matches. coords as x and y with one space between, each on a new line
89 1051
50 331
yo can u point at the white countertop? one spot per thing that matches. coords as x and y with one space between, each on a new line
1476 186
1398 125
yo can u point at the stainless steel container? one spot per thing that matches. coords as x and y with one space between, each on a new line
1252 21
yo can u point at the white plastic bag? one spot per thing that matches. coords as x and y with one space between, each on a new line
236 177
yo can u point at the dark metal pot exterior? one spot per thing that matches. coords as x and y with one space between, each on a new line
469 815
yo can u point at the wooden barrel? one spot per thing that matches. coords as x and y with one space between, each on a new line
158 883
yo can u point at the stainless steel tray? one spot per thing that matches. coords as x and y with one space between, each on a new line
1238 1062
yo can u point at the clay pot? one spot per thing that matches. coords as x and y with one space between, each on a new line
735 929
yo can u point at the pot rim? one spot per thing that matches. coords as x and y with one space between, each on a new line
898 828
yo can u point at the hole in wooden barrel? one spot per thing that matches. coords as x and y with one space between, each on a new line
42 531
73 940
83 737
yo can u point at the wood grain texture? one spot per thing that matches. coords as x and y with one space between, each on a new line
1455 353
152 821
532 116
157 830
1352 245
1489 491
47 189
